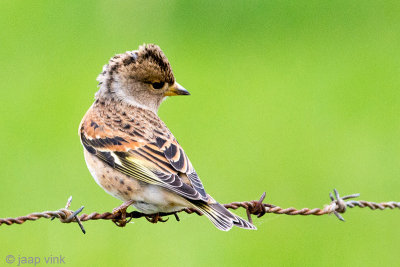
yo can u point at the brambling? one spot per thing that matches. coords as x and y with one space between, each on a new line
129 150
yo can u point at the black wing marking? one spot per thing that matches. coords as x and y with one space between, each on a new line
125 163
180 162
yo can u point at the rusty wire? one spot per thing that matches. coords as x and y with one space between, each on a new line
337 206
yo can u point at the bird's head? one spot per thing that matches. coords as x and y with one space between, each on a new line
142 78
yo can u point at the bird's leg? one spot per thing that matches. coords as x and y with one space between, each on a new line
121 222
122 208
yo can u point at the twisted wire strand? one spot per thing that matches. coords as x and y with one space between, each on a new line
337 206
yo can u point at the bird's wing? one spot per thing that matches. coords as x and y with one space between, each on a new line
155 159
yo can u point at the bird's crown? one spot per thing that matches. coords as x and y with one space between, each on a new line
146 64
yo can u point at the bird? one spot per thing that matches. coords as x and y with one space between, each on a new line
129 150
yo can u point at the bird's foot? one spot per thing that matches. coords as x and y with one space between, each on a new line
121 220
154 218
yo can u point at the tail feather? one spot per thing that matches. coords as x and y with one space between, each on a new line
222 218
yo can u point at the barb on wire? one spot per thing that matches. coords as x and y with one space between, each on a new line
337 206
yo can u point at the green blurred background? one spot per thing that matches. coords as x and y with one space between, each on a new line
289 97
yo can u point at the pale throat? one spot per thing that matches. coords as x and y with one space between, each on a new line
130 100
119 94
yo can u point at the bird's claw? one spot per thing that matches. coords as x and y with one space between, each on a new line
155 218
121 220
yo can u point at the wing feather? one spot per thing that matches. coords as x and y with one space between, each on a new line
160 160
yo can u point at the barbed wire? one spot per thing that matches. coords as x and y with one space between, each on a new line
337 206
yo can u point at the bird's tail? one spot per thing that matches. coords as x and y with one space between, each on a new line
222 218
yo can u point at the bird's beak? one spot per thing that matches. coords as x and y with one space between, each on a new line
176 89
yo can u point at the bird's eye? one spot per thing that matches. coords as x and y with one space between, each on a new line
158 85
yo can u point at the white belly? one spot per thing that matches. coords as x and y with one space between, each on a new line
148 198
